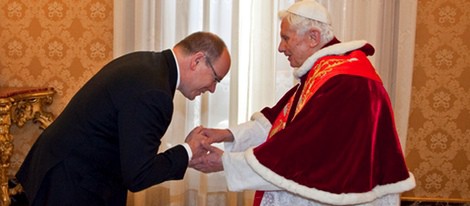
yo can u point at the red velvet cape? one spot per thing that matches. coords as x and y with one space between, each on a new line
342 146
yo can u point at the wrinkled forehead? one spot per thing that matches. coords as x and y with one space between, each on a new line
287 29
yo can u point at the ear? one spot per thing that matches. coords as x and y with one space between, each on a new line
196 58
315 37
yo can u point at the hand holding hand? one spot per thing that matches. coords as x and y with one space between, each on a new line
196 141
210 162
217 135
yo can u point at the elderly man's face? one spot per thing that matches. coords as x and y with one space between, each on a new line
297 47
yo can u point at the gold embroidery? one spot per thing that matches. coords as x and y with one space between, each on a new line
281 119
323 69
320 70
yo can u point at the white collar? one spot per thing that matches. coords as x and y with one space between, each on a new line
335 49
177 69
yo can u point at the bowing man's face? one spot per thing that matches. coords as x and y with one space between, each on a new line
206 74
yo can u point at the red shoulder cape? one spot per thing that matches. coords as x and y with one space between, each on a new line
341 146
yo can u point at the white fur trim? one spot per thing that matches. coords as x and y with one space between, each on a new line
240 176
335 49
249 134
262 120
324 196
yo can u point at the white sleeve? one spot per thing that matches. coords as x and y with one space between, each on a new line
240 176
249 134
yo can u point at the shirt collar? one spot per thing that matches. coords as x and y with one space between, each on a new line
177 70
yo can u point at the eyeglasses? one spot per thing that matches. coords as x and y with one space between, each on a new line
216 77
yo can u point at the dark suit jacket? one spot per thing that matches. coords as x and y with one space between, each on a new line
110 131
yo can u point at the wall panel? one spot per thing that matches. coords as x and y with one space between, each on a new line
53 43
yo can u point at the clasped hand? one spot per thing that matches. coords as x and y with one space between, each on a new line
206 158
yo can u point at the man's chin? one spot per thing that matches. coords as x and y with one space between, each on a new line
190 97
294 65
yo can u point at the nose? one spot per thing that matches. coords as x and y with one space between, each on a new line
212 87
281 47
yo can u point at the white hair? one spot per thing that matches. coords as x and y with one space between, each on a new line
303 25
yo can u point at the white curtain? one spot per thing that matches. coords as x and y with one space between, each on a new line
259 74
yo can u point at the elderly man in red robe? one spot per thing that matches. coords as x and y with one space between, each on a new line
330 140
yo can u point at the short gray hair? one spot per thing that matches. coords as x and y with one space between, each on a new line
209 43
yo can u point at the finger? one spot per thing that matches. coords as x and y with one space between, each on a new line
199 129
208 147
194 165
212 140
205 131
212 149
196 160
210 132
201 168
215 139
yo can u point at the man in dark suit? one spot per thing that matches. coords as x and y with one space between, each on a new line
106 140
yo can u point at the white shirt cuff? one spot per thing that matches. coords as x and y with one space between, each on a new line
188 149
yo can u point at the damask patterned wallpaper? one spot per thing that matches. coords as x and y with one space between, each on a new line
438 144
53 43
62 43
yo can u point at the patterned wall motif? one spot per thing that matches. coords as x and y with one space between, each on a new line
53 43
438 144
62 43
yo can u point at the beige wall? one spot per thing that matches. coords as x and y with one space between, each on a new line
438 144
54 43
